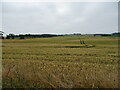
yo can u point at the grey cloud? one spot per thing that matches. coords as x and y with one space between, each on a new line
60 18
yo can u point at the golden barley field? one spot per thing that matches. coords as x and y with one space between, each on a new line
60 62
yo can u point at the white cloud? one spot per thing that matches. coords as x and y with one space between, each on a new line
62 9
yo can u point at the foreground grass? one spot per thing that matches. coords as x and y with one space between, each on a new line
47 63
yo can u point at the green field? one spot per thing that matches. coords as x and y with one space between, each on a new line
60 62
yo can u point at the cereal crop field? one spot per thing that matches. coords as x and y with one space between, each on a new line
60 62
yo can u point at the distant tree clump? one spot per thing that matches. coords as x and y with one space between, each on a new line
22 37
116 34
7 37
2 37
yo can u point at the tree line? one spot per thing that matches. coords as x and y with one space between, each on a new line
26 36
21 36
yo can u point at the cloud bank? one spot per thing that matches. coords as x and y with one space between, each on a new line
59 18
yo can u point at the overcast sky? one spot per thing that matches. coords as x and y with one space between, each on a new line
59 18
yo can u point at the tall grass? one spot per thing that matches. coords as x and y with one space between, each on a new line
47 63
